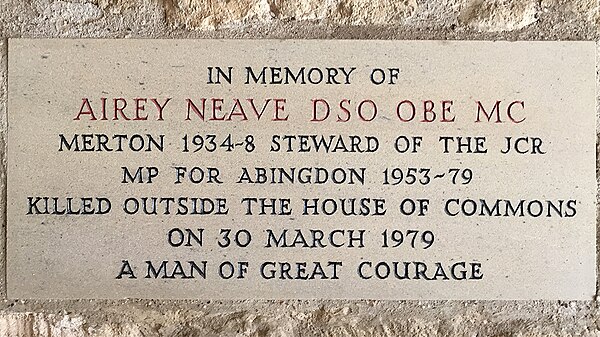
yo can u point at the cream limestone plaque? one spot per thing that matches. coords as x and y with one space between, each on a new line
209 169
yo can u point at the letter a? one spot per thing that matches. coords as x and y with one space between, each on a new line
126 270
85 105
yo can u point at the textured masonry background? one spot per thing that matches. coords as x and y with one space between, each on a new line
348 19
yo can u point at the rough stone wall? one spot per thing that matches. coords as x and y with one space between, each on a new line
415 19
367 19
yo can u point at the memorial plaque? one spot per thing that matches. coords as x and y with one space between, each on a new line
204 169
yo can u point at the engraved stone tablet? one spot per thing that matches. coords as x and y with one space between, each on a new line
301 169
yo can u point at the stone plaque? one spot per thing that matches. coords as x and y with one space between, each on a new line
301 169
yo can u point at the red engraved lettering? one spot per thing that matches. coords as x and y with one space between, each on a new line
345 110
360 110
262 111
240 110
103 100
119 109
495 109
217 106
413 111
139 107
279 107
192 107
509 111
446 105
315 110
85 104
428 108
161 107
